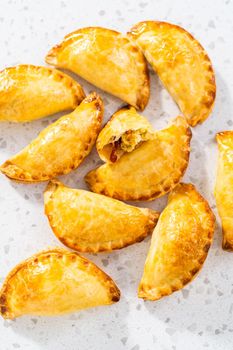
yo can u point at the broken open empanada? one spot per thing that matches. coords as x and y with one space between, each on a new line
106 59
182 65
179 244
89 222
55 282
224 186
30 92
60 147
125 131
148 172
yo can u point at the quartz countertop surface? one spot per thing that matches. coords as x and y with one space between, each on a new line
201 315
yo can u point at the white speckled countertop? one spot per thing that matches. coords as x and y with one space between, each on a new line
201 315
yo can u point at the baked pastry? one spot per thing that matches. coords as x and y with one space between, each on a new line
148 172
89 222
106 59
60 147
179 244
182 65
224 186
53 282
125 131
30 92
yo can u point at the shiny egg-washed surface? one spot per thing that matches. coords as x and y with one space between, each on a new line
224 186
30 92
200 315
60 147
148 172
108 60
53 282
179 245
89 222
182 65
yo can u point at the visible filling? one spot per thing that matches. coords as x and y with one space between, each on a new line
129 141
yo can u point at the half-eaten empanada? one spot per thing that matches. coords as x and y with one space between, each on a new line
106 59
30 92
54 282
224 186
125 131
148 172
179 244
182 65
89 222
60 147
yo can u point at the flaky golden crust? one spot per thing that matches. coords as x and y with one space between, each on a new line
60 147
89 222
224 186
106 59
179 244
30 92
148 172
181 63
53 282
124 132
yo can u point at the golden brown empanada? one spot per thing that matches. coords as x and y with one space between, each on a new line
125 131
179 244
90 222
224 186
53 282
106 59
60 147
182 65
148 172
30 92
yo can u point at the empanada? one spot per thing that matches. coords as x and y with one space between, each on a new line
179 244
106 59
148 172
224 186
90 222
125 131
182 65
60 147
55 282
30 92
